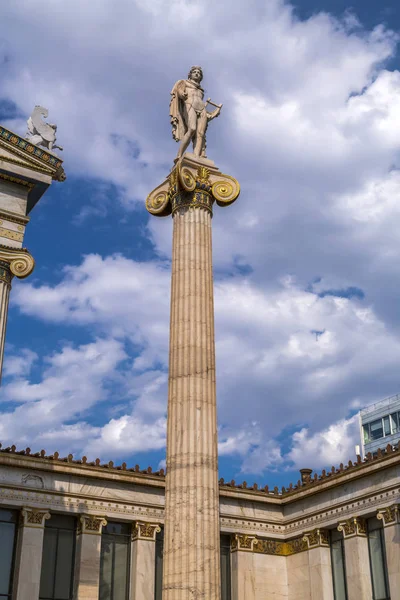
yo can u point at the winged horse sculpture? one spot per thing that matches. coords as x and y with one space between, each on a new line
39 132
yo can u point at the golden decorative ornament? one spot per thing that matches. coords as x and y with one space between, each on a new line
22 266
226 190
11 235
157 203
187 179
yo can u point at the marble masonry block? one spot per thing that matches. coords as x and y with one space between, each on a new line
143 551
392 544
13 197
298 576
321 582
258 576
87 558
357 568
29 554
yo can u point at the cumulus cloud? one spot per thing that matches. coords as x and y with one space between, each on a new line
310 127
334 444
295 355
19 364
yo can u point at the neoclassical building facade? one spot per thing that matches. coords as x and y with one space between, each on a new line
73 529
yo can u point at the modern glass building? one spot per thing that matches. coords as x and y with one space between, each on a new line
380 424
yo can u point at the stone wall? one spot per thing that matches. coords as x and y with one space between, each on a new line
279 543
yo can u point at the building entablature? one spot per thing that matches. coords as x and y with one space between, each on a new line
63 485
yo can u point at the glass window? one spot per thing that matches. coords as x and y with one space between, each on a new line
394 418
386 425
367 438
338 565
376 429
377 558
225 567
58 558
114 561
8 520
159 564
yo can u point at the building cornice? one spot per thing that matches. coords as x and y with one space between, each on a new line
96 469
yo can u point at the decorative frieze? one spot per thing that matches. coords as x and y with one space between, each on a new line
356 526
91 524
250 543
145 531
33 517
317 538
389 515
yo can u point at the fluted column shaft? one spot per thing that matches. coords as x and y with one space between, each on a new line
5 287
191 547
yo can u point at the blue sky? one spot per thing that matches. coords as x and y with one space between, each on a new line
310 127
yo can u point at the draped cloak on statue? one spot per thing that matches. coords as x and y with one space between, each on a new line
177 108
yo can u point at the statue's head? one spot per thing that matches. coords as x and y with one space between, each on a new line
196 73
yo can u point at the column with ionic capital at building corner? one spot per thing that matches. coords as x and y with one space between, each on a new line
26 172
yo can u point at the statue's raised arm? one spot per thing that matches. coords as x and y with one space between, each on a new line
188 113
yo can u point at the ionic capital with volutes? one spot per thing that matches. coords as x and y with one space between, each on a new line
33 517
390 515
317 538
145 531
242 542
357 526
194 182
15 261
91 524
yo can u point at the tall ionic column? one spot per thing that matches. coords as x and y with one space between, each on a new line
191 567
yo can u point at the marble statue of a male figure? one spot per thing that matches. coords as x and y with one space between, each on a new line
189 117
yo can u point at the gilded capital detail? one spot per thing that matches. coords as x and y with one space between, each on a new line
389 515
251 543
145 531
317 538
192 183
243 542
33 517
21 263
91 524
5 272
353 527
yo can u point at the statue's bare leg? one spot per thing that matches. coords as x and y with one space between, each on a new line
191 130
202 122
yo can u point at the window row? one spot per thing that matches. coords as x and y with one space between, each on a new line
59 549
377 560
57 572
382 427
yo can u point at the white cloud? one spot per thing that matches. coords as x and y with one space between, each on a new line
330 446
18 365
267 352
310 127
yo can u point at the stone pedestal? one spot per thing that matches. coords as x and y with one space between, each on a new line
26 171
320 568
143 555
87 557
191 544
29 554
391 522
358 573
